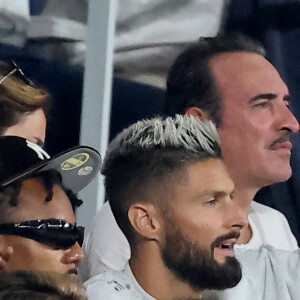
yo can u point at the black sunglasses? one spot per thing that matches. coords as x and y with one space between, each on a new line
55 233
17 70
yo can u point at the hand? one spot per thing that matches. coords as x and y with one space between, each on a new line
5 255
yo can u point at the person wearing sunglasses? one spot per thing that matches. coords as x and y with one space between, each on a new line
38 228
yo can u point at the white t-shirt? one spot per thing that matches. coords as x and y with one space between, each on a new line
116 285
268 274
106 247
269 227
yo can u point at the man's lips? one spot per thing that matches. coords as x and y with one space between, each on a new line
283 144
72 272
226 246
225 243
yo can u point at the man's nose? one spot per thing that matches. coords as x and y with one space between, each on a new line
74 255
236 216
287 120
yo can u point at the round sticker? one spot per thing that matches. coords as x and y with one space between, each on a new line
85 171
75 161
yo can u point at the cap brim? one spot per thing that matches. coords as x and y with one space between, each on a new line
78 167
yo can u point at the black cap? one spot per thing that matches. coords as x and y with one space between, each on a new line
19 158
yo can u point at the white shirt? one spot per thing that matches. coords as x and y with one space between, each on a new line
268 274
269 227
116 285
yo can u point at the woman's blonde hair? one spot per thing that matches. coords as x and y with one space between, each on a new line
40 285
18 96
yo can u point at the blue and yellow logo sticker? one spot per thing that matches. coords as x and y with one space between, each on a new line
75 161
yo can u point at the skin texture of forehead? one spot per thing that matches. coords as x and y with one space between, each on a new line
32 204
236 71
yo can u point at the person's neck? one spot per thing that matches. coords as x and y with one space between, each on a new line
156 279
244 195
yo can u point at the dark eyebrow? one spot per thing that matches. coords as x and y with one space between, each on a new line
268 96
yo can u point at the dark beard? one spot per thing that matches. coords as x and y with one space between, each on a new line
195 265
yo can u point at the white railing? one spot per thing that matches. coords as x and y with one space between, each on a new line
95 115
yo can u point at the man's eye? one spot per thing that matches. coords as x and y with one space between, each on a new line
211 202
261 104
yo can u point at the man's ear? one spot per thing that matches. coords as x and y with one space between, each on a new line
144 218
198 113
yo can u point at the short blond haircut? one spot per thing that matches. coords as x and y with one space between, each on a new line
40 285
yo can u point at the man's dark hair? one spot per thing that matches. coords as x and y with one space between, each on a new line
10 193
190 81
146 159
